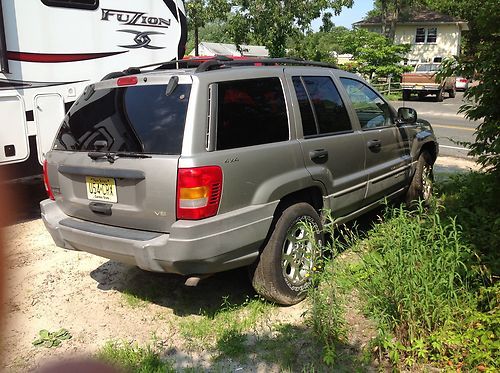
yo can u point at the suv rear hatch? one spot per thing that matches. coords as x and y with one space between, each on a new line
115 157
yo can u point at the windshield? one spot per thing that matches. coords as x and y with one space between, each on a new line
138 119
427 67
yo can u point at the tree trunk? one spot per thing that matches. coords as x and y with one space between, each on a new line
196 41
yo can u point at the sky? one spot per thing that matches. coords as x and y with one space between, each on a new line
348 16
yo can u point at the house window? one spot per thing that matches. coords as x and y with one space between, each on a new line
431 35
424 35
420 38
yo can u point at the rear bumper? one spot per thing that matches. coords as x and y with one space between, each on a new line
211 245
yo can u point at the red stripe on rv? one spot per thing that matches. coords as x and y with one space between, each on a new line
54 58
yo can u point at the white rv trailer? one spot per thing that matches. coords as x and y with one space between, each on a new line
51 49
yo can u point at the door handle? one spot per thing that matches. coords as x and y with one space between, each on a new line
374 145
319 155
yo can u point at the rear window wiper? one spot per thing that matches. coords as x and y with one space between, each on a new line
131 155
111 157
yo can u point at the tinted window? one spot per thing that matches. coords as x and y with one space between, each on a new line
330 112
132 119
306 111
79 4
371 110
251 112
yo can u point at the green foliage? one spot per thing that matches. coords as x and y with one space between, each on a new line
374 54
415 272
132 358
225 330
214 31
481 61
200 12
426 276
473 199
271 23
51 339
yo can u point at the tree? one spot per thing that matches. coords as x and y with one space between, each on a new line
481 61
202 11
375 54
328 24
271 23
389 10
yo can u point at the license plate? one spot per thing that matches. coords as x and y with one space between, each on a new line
101 188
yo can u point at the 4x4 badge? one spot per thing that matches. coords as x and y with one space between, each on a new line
142 39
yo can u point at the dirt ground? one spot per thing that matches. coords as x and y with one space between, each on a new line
51 288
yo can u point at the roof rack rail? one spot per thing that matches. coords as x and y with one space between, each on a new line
217 62
173 64
221 63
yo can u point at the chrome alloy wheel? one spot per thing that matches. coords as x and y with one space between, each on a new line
297 254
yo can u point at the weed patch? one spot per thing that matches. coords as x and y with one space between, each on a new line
225 330
132 358
51 339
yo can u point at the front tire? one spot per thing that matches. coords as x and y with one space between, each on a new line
422 182
406 95
439 96
283 271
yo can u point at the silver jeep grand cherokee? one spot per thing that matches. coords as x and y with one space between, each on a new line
197 171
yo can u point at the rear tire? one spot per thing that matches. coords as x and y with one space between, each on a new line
282 273
421 184
453 93
406 95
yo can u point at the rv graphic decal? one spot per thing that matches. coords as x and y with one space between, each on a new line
6 84
142 39
56 58
134 18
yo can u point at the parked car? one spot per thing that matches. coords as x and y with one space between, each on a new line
461 83
423 82
197 171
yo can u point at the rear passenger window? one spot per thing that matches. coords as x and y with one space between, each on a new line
251 112
324 103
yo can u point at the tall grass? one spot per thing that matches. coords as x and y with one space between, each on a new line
416 271
429 278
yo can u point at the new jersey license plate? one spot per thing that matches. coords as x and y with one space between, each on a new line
101 189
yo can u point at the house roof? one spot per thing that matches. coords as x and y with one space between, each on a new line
417 16
232 50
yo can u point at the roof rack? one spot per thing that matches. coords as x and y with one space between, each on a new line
203 64
215 63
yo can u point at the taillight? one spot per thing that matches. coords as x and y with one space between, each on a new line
127 80
198 192
46 181
462 80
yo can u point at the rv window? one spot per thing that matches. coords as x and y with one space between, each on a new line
79 4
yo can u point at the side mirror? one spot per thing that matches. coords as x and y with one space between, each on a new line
407 115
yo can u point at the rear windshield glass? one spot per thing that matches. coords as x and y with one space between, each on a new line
427 67
140 119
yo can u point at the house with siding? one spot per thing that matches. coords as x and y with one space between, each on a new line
432 35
